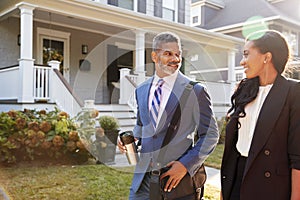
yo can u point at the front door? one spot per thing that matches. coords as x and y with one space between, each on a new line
54 45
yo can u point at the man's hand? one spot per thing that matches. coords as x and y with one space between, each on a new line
175 173
121 146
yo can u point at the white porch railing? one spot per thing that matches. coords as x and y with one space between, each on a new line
128 84
61 92
48 85
220 92
9 75
41 82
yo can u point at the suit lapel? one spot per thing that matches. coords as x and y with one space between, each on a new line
143 99
267 118
173 100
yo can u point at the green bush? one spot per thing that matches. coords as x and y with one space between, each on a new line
108 123
31 135
222 127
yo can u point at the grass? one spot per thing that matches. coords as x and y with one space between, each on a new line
66 182
83 182
215 159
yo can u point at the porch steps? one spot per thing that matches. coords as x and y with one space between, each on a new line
124 114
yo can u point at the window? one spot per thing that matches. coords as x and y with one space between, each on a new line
127 4
53 45
194 57
169 10
196 15
292 39
195 20
239 76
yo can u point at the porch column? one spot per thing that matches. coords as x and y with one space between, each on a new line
124 86
231 70
140 55
26 60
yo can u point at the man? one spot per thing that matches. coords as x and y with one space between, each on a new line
196 114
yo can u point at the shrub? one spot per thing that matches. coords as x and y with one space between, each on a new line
32 135
222 127
108 123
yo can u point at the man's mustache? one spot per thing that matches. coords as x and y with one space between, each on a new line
173 63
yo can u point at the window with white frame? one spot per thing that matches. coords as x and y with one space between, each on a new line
292 39
169 10
127 4
239 76
196 15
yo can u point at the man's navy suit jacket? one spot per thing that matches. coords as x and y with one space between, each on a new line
196 116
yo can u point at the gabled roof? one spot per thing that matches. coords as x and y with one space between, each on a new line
238 11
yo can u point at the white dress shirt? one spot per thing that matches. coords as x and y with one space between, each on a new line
167 87
248 123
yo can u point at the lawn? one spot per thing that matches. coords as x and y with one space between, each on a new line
88 182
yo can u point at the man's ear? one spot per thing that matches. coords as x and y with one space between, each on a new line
154 56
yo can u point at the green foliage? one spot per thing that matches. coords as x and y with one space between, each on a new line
108 123
222 127
31 134
215 158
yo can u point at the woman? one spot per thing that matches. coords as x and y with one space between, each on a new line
262 148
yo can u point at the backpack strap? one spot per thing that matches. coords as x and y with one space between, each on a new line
172 129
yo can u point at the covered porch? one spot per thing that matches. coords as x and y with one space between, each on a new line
96 39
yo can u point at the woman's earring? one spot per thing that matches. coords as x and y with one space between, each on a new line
265 61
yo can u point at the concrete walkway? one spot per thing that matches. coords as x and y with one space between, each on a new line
213 175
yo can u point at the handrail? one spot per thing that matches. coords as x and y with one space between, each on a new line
131 81
8 67
68 87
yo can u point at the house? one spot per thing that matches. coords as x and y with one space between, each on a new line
239 17
61 53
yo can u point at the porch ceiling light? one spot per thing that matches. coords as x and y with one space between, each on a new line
84 49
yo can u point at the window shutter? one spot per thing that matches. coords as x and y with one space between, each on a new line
158 8
181 11
142 6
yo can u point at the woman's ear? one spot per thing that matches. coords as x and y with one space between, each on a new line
268 57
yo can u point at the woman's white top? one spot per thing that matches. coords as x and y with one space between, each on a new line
248 123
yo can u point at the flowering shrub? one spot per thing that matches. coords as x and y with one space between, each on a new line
31 135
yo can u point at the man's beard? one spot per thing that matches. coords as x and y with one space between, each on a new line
169 70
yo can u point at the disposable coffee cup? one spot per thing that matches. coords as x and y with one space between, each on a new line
127 139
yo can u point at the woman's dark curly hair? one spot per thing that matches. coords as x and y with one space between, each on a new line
265 41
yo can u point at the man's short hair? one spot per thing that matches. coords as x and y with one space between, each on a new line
165 37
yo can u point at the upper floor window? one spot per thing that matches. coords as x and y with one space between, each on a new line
196 15
127 4
169 9
292 39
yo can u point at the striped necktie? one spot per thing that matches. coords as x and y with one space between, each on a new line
156 102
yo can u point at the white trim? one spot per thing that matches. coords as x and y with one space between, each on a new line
196 9
125 46
43 33
175 11
239 25
275 1
135 5
209 4
215 70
